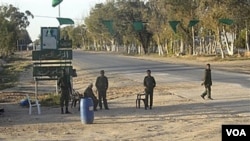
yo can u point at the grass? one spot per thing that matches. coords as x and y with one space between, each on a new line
11 70
50 100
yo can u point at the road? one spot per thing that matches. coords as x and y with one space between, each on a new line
163 72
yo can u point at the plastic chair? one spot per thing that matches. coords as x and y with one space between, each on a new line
139 98
36 104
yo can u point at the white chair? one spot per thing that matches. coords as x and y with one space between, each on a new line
31 104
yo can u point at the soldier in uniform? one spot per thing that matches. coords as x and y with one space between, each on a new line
89 93
102 86
65 87
149 84
207 82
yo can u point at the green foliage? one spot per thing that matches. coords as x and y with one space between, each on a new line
12 22
155 16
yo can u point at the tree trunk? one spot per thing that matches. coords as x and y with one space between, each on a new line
220 43
193 51
247 43
160 49
229 49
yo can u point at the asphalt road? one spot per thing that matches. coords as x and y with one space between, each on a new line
163 72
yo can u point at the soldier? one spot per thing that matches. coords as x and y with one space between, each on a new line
207 82
149 84
89 93
102 86
65 87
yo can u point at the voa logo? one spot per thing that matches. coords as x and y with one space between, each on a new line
236 132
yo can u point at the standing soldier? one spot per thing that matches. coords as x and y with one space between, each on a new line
102 86
65 86
207 82
149 84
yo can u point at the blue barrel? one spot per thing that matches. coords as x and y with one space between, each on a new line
87 110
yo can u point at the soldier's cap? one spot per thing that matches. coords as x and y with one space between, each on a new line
148 70
102 71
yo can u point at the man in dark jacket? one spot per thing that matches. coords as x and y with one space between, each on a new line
207 82
89 93
102 86
149 84
65 87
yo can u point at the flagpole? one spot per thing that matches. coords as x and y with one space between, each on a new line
59 11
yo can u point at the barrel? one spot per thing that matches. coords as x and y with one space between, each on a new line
87 110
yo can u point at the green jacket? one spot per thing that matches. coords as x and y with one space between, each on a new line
102 83
207 77
64 82
149 82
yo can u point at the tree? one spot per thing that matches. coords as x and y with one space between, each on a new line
12 23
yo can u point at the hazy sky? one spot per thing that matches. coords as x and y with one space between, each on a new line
45 14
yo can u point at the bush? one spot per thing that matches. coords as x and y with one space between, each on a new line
51 100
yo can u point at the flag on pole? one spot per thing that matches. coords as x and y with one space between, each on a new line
138 25
173 25
226 21
109 25
56 2
65 21
192 23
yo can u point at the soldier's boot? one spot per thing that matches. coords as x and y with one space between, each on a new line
67 111
62 111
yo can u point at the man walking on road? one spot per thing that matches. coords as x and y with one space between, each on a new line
149 84
102 86
207 82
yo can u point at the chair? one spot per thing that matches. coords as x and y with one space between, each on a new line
75 97
139 98
33 104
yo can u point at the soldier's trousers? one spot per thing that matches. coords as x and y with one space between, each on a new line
149 93
207 92
102 97
65 97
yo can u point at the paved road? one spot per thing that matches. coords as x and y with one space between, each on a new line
164 72
228 98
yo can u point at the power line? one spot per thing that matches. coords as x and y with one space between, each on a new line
39 16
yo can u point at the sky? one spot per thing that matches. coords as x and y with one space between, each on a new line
45 14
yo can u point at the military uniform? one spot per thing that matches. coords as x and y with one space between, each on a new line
102 86
65 90
149 84
89 93
207 82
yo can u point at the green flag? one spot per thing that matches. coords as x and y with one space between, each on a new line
65 21
138 25
109 25
192 23
56 2
173 25
226 21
